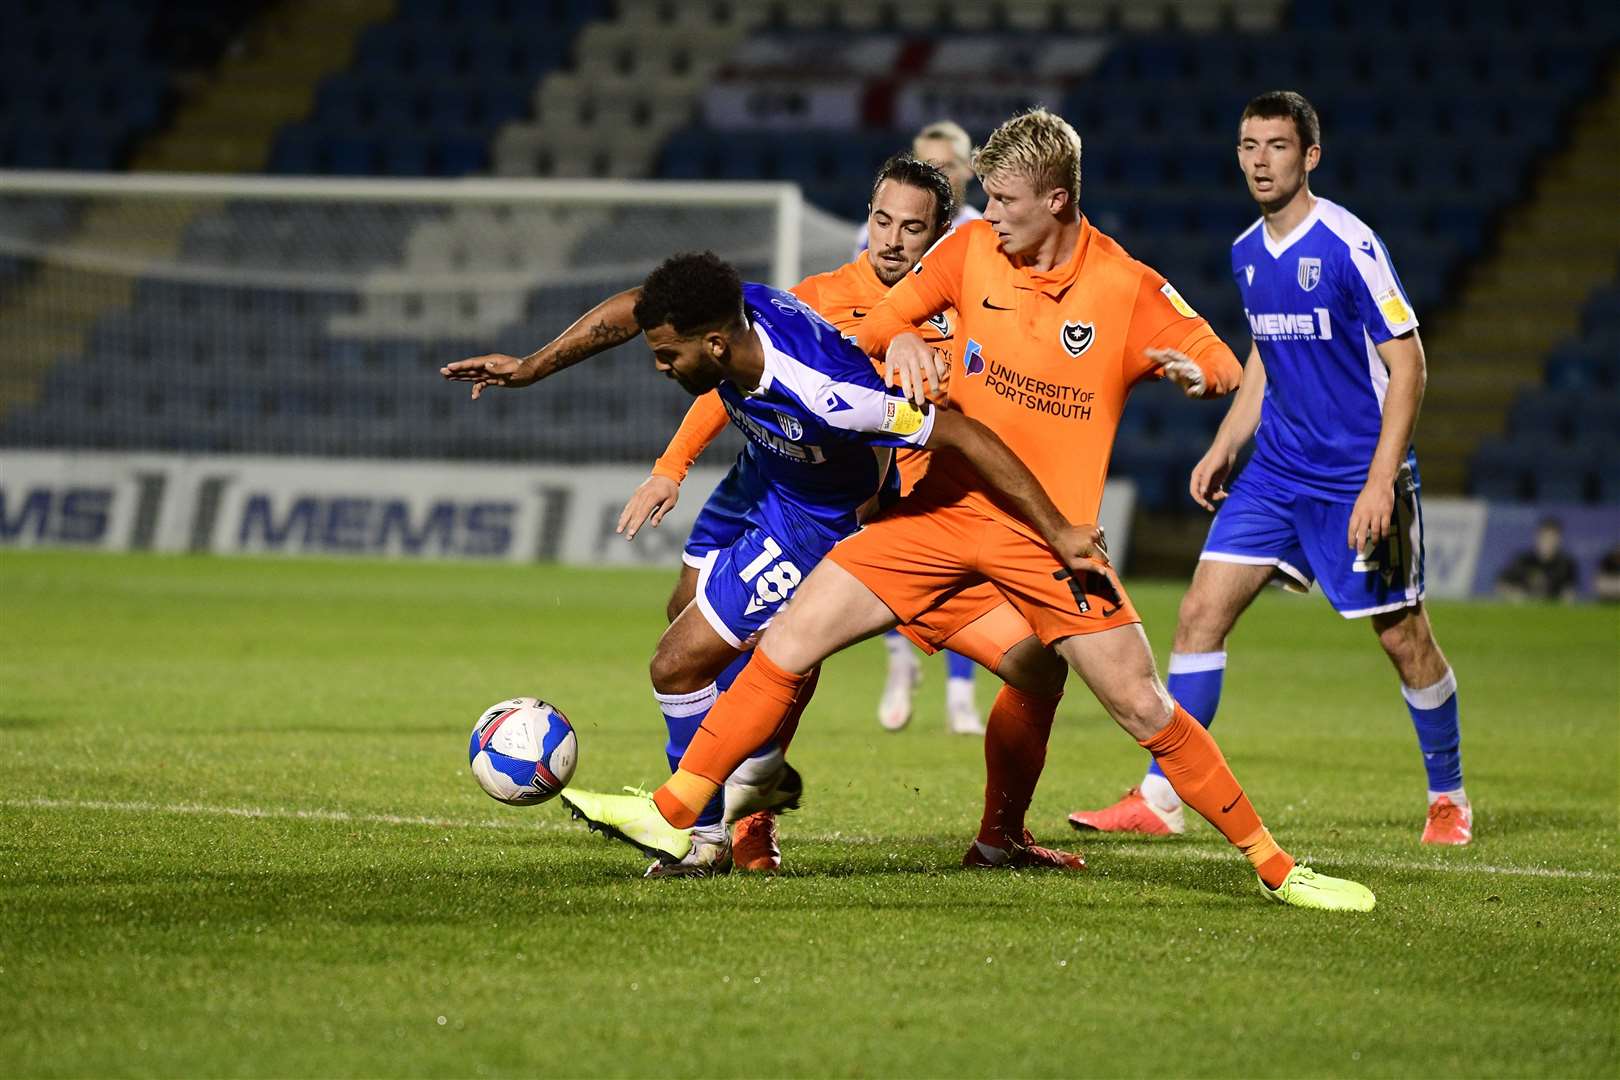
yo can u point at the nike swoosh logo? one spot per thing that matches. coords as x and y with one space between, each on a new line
857 313
1227 809
994 307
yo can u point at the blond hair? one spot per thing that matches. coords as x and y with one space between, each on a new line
1038 145
952 133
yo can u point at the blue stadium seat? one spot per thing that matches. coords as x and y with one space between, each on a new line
350 154
461 153
1541 415
297 151
1497 471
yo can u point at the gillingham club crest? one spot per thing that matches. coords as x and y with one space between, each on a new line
1310 272
1077 337
790 426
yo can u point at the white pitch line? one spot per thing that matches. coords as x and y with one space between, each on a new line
1382 862
1147 851
261 812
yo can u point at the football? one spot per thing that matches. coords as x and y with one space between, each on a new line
523 751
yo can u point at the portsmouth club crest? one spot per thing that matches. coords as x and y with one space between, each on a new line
941 323
1310 272
790 427
1077 337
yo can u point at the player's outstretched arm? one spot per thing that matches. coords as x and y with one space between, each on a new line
657 495
1208 483
610 323
1408 372
1080 547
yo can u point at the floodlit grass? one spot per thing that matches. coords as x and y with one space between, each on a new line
238 837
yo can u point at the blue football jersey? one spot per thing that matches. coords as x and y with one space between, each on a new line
1319 302
821 423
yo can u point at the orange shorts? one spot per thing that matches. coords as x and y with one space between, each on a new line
977 622
912 465
931 550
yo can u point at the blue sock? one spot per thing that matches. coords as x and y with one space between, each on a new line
1195 683
682 715
724 680
1434 716
958 666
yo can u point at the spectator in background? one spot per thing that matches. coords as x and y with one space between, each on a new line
1544 572
1607 584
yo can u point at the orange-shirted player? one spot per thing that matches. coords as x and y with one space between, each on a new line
1057 323
911 207
909 210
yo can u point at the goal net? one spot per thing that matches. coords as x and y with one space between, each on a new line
310 317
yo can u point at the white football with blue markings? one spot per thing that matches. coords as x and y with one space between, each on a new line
523 751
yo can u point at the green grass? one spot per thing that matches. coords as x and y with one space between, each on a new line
238 837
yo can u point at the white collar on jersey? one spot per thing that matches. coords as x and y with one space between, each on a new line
771 361
1276 248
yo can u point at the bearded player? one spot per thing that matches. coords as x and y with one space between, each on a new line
910 208
819 422
1057 323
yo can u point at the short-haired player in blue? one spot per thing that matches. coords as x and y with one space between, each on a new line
820 425
1330 394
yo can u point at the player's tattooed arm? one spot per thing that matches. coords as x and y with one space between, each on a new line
1080 547
610 323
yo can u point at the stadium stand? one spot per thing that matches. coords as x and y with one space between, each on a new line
428 89
1563 440
1437 119
81 82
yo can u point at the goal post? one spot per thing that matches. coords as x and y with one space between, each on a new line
308 316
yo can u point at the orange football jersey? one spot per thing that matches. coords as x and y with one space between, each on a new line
1046 358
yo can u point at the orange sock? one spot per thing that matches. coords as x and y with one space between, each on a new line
790 726
1015 736
1197 770
743 718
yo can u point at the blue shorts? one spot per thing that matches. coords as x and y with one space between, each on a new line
751 549
1264 523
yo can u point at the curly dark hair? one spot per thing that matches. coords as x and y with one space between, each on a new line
902 168
691 292
1276 104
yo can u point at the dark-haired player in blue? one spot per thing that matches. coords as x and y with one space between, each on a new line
820 425
1330 394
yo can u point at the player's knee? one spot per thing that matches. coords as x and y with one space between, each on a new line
669 672
1033 669
1200 624
1145 710
1401 635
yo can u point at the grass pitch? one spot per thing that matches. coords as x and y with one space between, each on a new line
238 838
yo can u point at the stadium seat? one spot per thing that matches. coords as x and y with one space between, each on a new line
1497 472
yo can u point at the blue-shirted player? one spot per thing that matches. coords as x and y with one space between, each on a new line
1330 395
821 426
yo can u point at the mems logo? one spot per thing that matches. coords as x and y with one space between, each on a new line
1313 325
75 515
347 525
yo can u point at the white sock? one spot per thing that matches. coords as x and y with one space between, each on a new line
992 854
1458 797
755 771
709 834
900 653
959 696
1158 792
